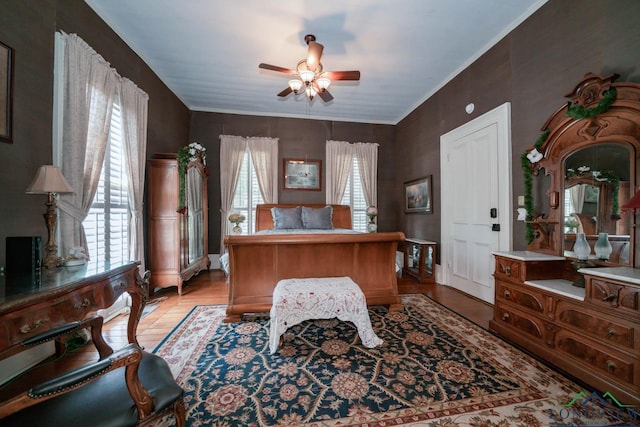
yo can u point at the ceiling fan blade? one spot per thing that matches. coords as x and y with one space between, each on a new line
343 75
325 95
285 92
314 55
276 68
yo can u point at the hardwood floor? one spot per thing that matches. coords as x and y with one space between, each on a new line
209 287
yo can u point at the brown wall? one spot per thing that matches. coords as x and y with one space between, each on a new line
29 27
533 67
298 139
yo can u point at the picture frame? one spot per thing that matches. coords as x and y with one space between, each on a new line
302 174
418 196
6 93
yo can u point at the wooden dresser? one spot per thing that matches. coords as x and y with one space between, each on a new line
178 239
591 333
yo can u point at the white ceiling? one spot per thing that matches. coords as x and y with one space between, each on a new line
207 51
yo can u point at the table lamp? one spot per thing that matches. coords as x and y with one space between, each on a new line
50 181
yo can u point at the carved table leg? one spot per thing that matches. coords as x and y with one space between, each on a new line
139 292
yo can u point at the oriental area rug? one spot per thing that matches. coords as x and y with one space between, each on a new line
434 368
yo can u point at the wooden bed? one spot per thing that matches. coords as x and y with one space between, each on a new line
258 262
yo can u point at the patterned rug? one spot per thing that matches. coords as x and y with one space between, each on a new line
434 369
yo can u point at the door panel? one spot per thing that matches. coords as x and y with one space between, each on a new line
473 185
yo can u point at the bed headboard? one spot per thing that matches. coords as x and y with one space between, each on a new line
264 221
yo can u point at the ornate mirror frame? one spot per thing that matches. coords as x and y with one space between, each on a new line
599 111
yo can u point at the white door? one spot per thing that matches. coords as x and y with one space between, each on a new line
476 201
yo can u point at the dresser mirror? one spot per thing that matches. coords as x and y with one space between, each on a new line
587 168
596 184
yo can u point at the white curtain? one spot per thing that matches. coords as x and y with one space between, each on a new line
577 197
367 155
89 92
264 155
134 107
339 158
232 150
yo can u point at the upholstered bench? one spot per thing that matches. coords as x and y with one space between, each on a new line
297 300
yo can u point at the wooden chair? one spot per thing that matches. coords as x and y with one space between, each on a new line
122 388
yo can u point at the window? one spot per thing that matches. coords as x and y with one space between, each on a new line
247 195
107 223
354 197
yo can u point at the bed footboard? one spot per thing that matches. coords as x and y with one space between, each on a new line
258 262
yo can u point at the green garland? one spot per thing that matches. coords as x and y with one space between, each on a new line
578 112
186 155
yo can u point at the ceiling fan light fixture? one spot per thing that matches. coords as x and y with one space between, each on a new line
311 92
323 83
295 85
307 76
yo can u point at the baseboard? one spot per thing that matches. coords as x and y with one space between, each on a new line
121 306
15 365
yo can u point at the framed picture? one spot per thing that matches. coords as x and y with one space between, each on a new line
302 174
6 92
417 196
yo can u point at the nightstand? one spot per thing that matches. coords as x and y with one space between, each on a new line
420 260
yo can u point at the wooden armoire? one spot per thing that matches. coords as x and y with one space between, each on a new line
178 238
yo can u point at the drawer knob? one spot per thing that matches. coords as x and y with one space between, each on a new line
610 332
507 271
505 316
507 294
84 303
611 366
609 297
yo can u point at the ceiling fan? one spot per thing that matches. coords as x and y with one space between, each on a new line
310 74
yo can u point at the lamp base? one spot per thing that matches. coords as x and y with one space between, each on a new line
52 261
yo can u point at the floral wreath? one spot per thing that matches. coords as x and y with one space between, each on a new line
576 112
186 155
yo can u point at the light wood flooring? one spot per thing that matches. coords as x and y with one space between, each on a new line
209 287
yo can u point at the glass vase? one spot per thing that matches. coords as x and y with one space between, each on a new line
237 229
581 248
372 227
602 247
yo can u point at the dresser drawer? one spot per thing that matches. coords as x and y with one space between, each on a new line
532 326
34 320
607 330
507 268
520 271
611 295
527 299
602 360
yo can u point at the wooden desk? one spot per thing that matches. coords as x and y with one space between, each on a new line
33 304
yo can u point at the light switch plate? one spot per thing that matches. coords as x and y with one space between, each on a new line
520 200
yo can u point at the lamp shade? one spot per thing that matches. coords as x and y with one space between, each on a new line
633 203
49 179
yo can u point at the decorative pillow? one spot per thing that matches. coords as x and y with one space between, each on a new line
320 219
286 218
